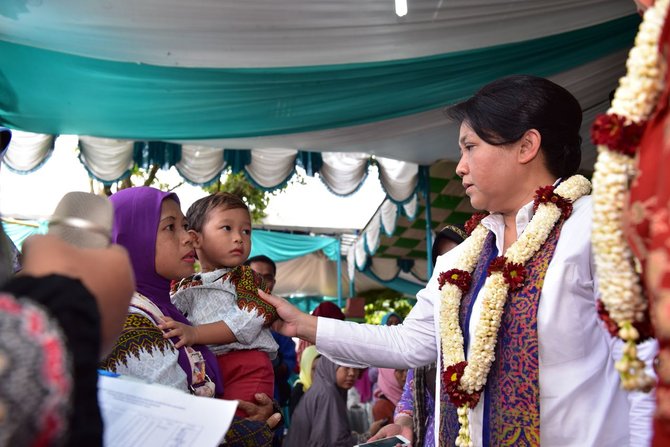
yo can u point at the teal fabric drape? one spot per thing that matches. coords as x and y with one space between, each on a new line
19 233
284 246
56 93
165 155
237 159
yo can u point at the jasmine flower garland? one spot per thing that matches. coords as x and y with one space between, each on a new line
464 380
623 304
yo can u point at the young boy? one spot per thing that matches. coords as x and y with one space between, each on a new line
222 302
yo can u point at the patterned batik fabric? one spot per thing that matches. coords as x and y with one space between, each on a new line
141 351
248 433
213 296
247 282
512 392
35 376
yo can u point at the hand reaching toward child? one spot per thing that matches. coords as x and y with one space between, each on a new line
292 322
188 335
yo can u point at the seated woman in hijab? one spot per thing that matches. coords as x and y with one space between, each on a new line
151 226
320 418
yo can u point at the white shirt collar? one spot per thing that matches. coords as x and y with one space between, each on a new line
496 224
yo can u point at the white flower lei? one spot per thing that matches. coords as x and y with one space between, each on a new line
621 292
494 294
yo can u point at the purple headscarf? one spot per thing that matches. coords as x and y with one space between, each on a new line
137 214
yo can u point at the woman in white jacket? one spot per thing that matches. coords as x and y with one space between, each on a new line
510 314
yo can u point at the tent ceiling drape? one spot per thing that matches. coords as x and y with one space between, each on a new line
261 86
304 75
262 33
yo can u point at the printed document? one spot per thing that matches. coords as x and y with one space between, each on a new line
140 414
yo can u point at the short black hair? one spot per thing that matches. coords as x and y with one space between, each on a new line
503 110
265 259
198 212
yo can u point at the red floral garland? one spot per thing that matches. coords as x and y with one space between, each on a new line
497 265
451 379
546 194
613 131
473 221
514 274
459 278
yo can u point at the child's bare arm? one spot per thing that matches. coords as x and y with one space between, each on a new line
206 334
215 334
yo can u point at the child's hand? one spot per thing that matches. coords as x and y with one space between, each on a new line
188 335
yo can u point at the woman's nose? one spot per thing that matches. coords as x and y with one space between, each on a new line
461 167
186 238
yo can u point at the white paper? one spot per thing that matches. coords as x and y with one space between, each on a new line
140 414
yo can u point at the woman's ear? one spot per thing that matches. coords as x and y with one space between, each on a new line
195 237
529 146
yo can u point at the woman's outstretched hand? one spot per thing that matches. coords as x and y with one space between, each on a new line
292 322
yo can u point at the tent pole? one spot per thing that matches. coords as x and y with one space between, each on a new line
425 187
339 272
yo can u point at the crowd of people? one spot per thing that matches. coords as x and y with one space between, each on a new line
508 343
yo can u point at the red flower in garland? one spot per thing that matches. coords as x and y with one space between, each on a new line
473 221
514 275
546 194
613 131
497 265
604 315
459 278
451 379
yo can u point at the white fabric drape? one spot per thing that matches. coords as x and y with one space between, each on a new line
388 214
410 208
342 173
399 178
351 262
265 33
28 150
385 220
200 164
387 269
371 236
271 167
107 159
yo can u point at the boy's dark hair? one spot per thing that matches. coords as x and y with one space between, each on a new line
502 111
454 233
196 216
265 259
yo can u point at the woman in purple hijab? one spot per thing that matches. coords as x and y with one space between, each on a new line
151 226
